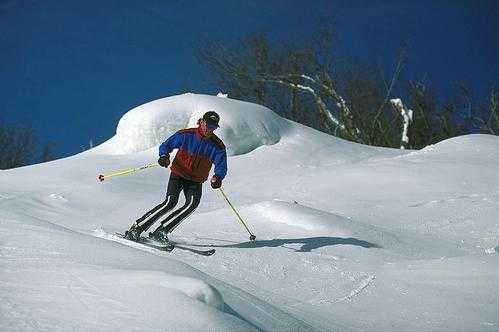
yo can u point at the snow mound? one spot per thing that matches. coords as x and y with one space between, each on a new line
300 216
193 288
243 126
316 222
468 146
326 227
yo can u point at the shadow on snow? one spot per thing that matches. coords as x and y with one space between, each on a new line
308 244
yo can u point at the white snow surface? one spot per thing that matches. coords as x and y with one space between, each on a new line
244 126
349 237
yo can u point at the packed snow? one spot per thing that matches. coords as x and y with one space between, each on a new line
245 126
349 237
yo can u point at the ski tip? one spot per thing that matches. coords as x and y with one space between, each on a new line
206 252
101 178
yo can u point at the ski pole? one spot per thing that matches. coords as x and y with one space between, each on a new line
126 171
252 237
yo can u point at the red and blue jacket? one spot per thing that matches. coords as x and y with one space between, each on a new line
196 154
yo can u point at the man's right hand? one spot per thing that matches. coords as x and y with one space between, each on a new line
164 160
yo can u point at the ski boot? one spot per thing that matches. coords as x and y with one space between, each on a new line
133 233
160 235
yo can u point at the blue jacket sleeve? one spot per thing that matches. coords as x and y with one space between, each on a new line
220 161
173 142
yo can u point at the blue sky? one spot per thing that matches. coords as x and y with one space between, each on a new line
72 68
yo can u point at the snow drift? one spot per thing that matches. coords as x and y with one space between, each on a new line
243 127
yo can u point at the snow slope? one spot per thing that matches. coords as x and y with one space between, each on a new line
349 237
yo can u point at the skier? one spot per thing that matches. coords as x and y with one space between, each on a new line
198 149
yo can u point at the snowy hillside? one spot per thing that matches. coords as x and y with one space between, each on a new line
349 237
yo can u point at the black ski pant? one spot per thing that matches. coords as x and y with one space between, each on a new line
192 192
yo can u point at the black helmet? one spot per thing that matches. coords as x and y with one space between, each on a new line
211 118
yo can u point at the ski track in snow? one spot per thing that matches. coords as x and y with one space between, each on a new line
474 197
363 284
90 290
251 270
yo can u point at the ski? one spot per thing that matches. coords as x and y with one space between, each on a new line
168 248
207 252
147 242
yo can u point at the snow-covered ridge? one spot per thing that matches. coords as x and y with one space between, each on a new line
243 126
476 146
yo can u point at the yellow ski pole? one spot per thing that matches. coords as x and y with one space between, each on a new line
252 237
102 177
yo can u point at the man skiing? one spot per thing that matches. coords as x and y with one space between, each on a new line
198 149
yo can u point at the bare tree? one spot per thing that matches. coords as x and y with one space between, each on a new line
296 79
246 70
301 81
47 153
492 125
407 119
367 94
16 145
488 120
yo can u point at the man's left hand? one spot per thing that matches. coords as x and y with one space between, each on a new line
215 182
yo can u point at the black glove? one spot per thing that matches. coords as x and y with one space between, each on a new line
215 182
164 160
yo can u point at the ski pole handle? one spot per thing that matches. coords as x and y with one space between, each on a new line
102 177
